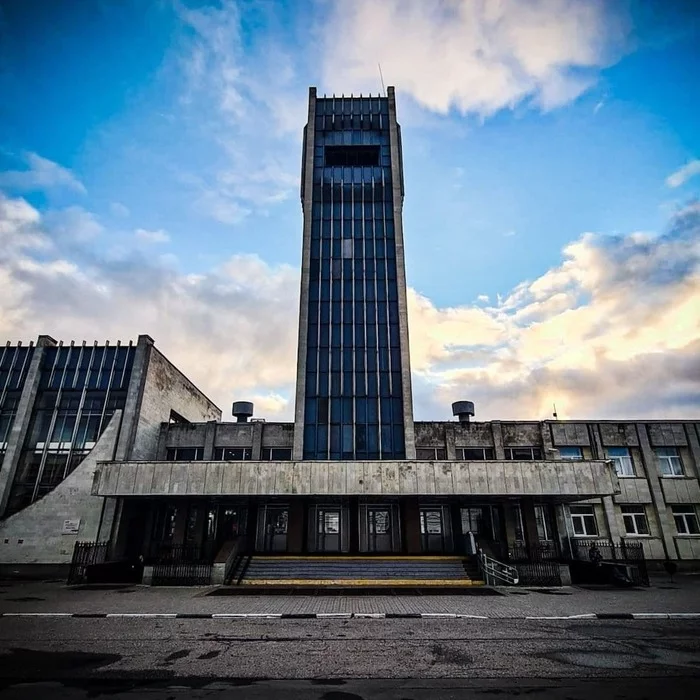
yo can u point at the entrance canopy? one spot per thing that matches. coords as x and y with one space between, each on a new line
567 479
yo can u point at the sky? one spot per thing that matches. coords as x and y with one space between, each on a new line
149 183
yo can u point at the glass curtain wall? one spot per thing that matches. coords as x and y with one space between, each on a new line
80 388
354 407
14 365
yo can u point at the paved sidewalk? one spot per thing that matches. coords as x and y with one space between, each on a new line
663 597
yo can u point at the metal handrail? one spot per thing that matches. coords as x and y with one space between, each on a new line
495 571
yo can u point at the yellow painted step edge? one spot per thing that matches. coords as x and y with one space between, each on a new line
321 557
359 582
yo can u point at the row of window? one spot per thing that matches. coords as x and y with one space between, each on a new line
228 454
668 458
334 106
345 228
583 520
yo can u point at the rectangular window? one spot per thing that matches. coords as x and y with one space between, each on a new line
583 521
348 156
277 454
621 459
545 526
523 453
431 453
635 519
669 461
233 454
475 453
185 454
573 453
686 518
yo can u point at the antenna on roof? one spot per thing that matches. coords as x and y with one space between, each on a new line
554 413
379 65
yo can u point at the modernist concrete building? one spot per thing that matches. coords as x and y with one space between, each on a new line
114 444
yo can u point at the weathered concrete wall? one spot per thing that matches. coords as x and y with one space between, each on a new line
234 434
618 434
33 536
165 389
554 478
185 434
473 435
666 434
521 434
569 434
429 434
277 434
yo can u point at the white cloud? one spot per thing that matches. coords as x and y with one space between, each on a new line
158 236
484 298
612 332
254 108
119 209
231 329
682 175
73 224
475 56
41 174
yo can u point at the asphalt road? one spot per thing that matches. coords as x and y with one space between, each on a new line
170 659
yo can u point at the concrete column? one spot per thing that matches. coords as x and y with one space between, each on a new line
666 522
611 519
597 449
257 440
295 528
509 524
411 521
134 395
563 530
497 432
397 186
691 433
162 449
529 522
20 426
450 443
307 188
209 438
548 449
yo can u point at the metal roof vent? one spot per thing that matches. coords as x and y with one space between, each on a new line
463 410
242 410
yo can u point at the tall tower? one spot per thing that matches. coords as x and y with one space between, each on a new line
353 398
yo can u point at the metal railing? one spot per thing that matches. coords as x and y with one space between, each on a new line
86 554
496 572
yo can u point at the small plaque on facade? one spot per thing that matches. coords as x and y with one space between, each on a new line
71 527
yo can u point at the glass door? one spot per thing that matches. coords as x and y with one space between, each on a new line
379 529
435 531
328 529
276 519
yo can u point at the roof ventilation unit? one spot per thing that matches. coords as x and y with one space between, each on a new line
242 410
463 410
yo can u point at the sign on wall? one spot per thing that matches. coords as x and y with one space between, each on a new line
71 527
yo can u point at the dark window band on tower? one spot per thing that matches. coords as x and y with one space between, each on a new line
352 155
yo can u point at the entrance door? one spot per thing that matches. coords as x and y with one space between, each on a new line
328 529
434 529
275 529
379 529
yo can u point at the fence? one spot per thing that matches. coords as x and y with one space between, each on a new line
605 551
182 565
86 554
542 552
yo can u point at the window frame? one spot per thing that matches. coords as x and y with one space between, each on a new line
532 458
582 518
484 451
439 454
620 460
266 454
171 454
669 459
686 512
220 453
576 457
630 514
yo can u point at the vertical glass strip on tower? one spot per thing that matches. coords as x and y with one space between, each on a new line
352 396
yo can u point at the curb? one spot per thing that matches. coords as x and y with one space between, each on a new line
356 616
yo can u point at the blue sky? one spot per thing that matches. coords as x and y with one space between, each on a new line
156 146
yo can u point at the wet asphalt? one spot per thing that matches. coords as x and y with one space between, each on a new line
170 659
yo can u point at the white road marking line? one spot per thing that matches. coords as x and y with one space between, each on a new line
370 615
141 615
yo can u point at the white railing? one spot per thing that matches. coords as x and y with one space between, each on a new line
496 572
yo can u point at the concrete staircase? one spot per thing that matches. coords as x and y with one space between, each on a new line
360 572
